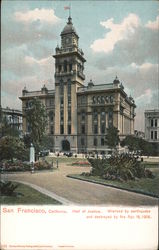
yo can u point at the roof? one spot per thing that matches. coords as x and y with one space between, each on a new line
69 28
99 87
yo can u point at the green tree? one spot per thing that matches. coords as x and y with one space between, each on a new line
37 118
131 142
112 137
12 147
138 144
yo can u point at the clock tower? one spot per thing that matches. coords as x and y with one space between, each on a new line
69 67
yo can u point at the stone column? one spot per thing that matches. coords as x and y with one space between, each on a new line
65 109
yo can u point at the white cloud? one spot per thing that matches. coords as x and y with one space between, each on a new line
117 33
42 15
144 98
31 60
144 67
153 25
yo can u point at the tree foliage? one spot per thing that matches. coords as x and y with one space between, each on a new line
36 116
112 137
12 147
138 144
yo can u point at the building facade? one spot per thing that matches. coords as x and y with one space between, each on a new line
152 125
78 114
14 118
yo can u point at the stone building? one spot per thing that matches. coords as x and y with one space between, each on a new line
14 118
152 125
79 114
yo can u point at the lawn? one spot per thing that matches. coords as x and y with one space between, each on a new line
143 185
28 195
67 160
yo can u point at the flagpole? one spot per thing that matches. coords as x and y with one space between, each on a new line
70 10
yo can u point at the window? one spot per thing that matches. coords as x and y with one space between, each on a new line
83 129
152 135
61 129
69 129
102 141
95 142
103 128
69 88
59 68
51 130
95 129
155 135
70 67
95 115
103 116
83 116
155 122
51 116
82 141
61 88
69 115
151 122
110 118
51 102
83 99
65 66
61 100
61 115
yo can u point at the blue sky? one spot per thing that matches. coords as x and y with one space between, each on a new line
117 37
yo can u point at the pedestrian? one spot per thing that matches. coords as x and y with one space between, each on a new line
57 163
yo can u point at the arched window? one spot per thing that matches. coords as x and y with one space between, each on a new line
102 121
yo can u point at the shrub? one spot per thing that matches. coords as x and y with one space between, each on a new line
7 188
122 168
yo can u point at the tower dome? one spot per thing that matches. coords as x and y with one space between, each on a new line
69 28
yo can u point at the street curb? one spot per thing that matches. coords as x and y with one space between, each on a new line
120 188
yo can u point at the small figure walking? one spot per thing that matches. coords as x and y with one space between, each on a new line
57 163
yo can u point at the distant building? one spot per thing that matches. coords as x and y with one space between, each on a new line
152 127
79 115
14 118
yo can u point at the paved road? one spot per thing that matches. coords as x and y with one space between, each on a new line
79 192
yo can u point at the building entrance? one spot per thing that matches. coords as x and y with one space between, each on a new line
65 145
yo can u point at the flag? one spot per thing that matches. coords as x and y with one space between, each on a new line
66 8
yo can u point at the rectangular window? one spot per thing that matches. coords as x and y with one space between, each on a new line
83 129
95 142
155 122
155 135
51 130
151 122
152 135
102 141
61 129
59 67
103 128
70 67
69 129
69 115
82 141
95 129
61 115
51 102
61 100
